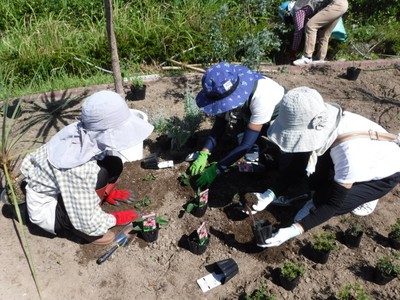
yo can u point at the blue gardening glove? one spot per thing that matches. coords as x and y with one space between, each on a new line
200 163
209 175
282 236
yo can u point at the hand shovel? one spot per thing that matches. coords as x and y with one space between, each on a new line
120 241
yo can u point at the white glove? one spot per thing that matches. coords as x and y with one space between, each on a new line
282 236
264 200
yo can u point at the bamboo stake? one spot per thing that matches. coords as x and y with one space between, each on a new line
186 66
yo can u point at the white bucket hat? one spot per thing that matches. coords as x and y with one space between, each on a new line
305 123
106 124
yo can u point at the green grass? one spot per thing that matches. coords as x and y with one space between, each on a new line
40 40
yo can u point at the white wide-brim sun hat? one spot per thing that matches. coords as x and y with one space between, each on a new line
305 121
106 124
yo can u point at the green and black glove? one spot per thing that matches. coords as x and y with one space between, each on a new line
200 163
209 175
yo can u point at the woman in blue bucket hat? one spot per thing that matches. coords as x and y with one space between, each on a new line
231 92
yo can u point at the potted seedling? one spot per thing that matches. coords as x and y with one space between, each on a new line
198 240
138 88
198 205
353 234
387 268
290 274
394 235
353 291
322 246
148 226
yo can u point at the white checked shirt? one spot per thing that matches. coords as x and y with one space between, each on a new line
77 187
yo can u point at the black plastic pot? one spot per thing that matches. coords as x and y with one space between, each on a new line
199 211
394 242
262 230
352 73
228 267
320 257
150 236
382 278
194 244
138 92
150 162
287 284
351 240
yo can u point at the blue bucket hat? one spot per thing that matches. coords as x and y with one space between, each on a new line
225 87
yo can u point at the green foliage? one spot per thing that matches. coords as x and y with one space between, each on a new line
195 202
389 265
184 179
45 43
145 202
395 229
353 291
292 270
355 227
324 241
150 177
260 294
137 81
181 129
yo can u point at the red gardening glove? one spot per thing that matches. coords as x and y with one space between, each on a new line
119 195
125 216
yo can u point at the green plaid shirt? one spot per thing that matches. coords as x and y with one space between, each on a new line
77 187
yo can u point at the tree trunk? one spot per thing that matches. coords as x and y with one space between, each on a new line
113 49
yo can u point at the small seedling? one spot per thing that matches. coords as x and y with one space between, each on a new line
150 177
184 179
260 294
200 200
389 265
353 291
395 230
145 202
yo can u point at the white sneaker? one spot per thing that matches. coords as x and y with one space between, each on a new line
319 61
365 209
264 200
305 211
302 61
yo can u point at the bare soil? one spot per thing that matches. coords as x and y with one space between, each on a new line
166 269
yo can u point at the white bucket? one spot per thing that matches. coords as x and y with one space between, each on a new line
136 152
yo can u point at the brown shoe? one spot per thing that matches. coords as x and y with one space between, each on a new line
106 239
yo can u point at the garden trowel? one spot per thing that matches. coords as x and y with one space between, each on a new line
120 241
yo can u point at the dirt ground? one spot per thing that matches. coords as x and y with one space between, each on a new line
166 269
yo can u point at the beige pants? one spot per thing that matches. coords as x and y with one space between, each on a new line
319 28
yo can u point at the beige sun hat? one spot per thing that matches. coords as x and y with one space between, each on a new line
106 124
305 122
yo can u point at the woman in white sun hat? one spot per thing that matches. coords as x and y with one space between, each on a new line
70 177
349 169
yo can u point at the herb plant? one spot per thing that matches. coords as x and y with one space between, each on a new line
292 270
389 265
353 291
324 242
395 230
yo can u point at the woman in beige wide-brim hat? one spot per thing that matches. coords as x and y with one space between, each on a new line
70 177
346 174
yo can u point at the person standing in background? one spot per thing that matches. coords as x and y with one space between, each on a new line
318 31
